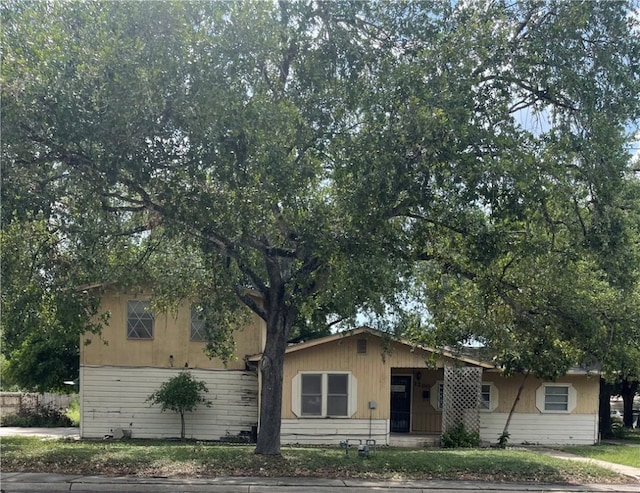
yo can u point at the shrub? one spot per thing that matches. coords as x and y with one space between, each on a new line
73 412
459 437
47 416
503 439
180 394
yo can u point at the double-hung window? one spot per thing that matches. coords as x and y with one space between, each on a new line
311 395
324 394
337 394
139 320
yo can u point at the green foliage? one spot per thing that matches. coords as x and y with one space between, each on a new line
73 412
459 437
38 416
180 394
43 311
618 454
313 160
503 439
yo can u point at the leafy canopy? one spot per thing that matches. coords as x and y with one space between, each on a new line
180 394
316 159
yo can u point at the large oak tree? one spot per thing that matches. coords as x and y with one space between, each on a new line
314 151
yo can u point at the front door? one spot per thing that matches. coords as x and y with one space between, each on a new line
400 403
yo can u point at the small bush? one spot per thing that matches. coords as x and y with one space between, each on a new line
503 439
73 412
47 416
459 437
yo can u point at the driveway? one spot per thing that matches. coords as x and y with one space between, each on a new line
72 432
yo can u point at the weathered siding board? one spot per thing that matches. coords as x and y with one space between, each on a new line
115 397
544 429
333 431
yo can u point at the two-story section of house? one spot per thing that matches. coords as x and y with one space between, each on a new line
139 350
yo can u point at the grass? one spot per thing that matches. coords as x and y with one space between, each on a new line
194 459
73 412
618 454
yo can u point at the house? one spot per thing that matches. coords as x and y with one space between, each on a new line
139 350
360 384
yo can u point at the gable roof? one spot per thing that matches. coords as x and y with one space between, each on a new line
376 333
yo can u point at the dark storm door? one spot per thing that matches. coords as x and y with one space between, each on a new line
400 403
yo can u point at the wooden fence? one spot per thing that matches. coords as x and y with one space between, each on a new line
12 402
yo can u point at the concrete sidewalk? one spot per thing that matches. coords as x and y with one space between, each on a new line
38 483
631 472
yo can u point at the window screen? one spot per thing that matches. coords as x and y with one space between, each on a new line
311 395
556 398
198 332
337 394
139 320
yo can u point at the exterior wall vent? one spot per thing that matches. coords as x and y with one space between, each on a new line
362 346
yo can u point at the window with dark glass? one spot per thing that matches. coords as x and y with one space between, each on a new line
337 394
311 395
485 397
324 394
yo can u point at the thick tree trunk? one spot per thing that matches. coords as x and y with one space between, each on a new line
628 392
605 409
279 321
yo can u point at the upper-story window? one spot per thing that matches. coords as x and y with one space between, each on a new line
198 332
139 320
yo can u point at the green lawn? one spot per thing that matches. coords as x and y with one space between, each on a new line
619 454
174 459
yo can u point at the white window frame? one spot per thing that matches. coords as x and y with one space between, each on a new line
296 394
541 398
434 398
437 390
198 325
493 397
130 321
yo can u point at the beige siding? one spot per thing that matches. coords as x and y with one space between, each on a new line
114 397
171 338
372 370
544 429
587 391
333 431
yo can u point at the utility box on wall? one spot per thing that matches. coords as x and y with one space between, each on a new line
373 405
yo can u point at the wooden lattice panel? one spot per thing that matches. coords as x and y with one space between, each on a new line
461 398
